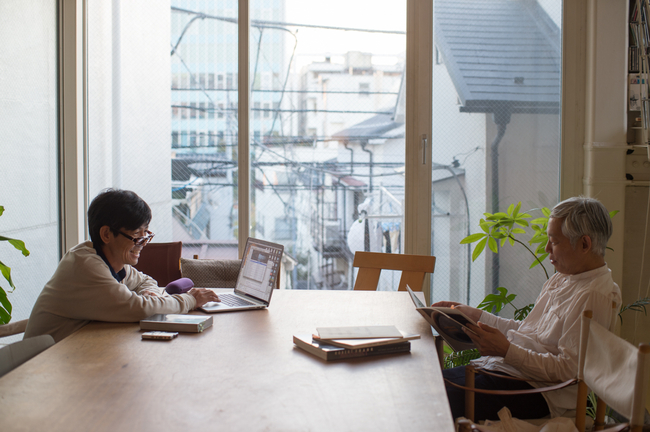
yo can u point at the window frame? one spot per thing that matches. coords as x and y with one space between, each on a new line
420 52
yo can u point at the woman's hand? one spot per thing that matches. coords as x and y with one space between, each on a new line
203 296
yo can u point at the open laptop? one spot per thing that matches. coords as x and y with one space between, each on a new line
257 279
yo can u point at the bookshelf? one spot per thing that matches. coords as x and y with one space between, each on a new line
638 67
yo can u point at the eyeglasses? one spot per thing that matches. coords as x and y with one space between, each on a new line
139 240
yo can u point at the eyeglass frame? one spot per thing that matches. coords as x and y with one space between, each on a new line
142 240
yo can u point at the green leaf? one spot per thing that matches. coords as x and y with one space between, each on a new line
492 244
5 315
539 221
479 248
2 210
460 358
4 301
511 208
498 216
6 272
516 212
613 213
512 241
518 231
472 238
496 301
522 313
18 244
546 211
521 222
536 262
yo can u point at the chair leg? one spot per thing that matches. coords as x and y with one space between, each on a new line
470 374
601 407
581 408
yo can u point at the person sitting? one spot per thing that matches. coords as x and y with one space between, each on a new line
543 348
96 280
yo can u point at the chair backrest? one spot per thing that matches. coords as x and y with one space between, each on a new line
413 268
12 356
13 328
615 370
214 273
161 261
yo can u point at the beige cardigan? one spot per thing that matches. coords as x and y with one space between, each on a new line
83 290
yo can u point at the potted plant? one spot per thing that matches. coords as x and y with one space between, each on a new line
5 304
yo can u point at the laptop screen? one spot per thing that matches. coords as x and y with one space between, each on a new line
259 269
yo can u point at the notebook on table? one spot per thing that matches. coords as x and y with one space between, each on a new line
257 278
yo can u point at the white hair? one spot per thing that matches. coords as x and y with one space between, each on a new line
584 216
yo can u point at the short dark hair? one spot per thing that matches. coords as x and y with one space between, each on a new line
117 209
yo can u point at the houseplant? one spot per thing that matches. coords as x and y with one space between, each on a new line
5 304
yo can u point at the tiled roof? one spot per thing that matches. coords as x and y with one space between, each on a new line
500 54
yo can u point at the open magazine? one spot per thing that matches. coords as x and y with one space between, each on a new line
448 322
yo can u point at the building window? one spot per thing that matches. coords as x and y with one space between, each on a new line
267 112
364 89
285 228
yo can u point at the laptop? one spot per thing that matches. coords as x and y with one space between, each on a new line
257 279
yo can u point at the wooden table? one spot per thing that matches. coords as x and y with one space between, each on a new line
243 374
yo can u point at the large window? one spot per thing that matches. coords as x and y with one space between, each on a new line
327 128
496 137
29 155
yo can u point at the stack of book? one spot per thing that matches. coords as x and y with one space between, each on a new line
337 343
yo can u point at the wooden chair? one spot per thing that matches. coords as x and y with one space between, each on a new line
615 370
413 268
161 261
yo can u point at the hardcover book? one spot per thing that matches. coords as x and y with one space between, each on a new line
178 323
449 323
330 352
365 343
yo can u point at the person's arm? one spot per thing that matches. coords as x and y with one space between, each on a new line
562 364
89 292
141 283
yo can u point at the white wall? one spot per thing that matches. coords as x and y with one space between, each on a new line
129 102
28 146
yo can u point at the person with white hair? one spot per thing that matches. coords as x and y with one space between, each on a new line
543 348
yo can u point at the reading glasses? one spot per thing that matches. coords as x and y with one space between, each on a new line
139 240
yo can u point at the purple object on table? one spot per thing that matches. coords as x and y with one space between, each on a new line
179 286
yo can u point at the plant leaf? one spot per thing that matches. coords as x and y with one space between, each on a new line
6 272
546 211
495 302
18 244
518 231
5 315
492 244
479 248
613 213
536 262
522 313
472 238
2 210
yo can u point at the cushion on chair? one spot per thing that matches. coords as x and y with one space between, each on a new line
210 273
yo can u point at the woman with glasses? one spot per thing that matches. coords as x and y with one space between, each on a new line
96 280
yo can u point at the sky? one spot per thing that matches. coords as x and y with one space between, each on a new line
365 14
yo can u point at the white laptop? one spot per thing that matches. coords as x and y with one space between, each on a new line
257 279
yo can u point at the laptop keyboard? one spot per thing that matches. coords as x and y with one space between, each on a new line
233 300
